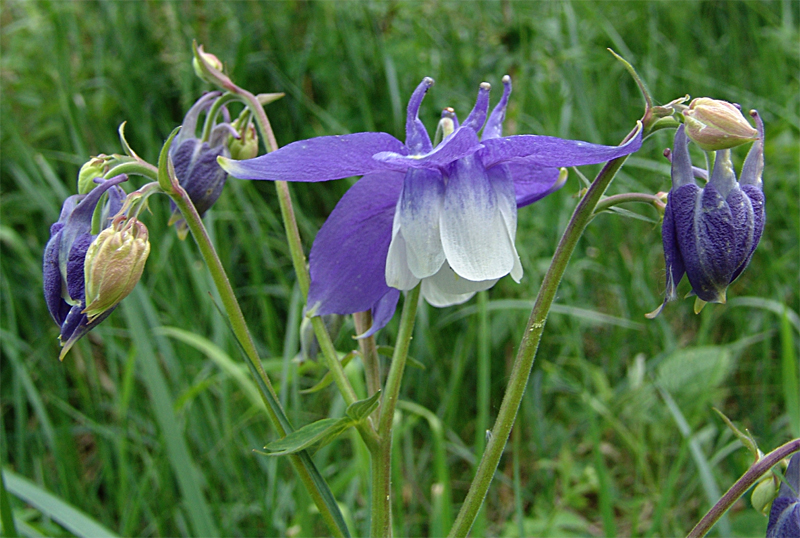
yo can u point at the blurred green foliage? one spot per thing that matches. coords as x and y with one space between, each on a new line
145 433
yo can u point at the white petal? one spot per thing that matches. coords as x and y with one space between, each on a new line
475 236
397 273
503 184
446 288
418 213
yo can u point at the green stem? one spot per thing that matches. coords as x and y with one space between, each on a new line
482 394
611 201
523 363
305 468
758 469
299 262
381 524
138 168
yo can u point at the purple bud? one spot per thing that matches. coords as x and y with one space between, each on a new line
710 233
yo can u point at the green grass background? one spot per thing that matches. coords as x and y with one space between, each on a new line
146 428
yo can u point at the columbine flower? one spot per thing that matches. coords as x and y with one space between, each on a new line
64 258
195 159
444 217
784 517
710 233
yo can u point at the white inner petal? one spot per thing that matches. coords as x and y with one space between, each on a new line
475 236
446 288
503 185
418 213
397 272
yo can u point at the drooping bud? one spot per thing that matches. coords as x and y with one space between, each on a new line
64 259
711 232
195 159
714 125
114 264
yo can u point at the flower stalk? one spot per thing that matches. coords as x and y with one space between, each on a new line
302 463
523 363
750 477
381 524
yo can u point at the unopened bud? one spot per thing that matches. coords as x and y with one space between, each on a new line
714 125
114 264
201 68
94 168
763 494
246 146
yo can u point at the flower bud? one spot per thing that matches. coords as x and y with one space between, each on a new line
201 67
64 259
710 233
715 125
94 168
246 146
763 494
195 159
114 264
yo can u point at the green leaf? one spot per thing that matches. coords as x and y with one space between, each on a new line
327 379
53 507
361 409
319 433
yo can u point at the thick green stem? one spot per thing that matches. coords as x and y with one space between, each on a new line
759 469
381 524
530 343
302 463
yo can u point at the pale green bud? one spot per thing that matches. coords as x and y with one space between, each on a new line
94 168
715 125
114 264
201 70
763 494
246 146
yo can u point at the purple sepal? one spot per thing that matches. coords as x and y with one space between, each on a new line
552 151
533 182
705 232
319 159
75 263
462 143
199 173
382 312
672 254
347 259
51 276
756 199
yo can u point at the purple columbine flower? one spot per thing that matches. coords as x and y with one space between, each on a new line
784 516
64 258
441 216
710 233
195 159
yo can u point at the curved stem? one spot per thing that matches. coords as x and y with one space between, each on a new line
137 168
758 469
302 463
617 199
523 363
381 524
